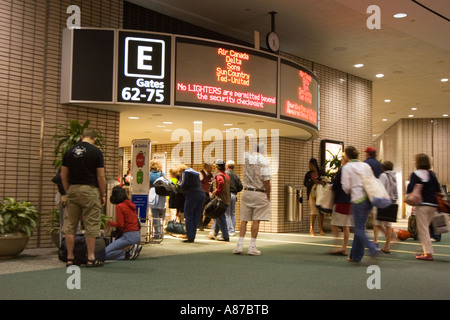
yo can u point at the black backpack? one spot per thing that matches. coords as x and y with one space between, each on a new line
164 187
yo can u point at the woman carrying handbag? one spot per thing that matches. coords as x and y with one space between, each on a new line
427 208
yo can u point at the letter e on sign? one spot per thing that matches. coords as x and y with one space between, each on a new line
144 58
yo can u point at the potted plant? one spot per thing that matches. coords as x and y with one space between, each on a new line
18 220
68 137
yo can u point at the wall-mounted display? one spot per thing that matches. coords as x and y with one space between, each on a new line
220 76
299 94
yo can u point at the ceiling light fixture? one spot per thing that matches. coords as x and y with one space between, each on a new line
400 15
411 116
197 122
133 118
445 115
358 65
168 122
380 75
444 80
413 108
385 120
387 100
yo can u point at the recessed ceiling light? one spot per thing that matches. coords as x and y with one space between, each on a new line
358 65
198 122
380 75
445 115
400 15
385 120
228 124
133 118
411 116
413 108
168 122
160 126
444 80
387 100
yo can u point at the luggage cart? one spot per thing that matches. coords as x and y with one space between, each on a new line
153 230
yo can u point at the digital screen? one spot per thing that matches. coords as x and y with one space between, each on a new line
93 62
299 94
144 68
220 76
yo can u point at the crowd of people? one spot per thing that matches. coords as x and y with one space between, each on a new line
83 182
352 205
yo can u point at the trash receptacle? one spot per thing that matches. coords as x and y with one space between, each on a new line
294 210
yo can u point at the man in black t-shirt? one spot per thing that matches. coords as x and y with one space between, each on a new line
83 178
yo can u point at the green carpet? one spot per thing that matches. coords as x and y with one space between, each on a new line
292 267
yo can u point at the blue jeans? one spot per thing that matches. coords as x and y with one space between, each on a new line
230 214
360 213
192 212
222 224
116 249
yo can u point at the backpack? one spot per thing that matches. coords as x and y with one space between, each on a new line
164 187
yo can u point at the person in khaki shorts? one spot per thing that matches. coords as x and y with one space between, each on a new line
255 205
83 178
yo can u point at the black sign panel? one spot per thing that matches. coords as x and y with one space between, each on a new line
93 65
144 68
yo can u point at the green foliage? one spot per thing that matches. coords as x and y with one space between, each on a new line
68 137
333 164
18 216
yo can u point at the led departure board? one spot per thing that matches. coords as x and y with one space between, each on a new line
299 94
143 68
220 76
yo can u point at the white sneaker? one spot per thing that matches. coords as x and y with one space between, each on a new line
252 251
238 250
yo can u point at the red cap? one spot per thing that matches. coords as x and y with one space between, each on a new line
370 149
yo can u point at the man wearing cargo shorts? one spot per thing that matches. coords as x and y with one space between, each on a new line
83 178
255 205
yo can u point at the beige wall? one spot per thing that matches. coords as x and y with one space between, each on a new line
30 63
408 137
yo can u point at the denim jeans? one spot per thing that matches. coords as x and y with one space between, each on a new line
360 213
230 214
116 249
222 224
192 212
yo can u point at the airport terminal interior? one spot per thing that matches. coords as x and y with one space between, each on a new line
182 84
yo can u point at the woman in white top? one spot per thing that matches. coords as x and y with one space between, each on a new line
361 206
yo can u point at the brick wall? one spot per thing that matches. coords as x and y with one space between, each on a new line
30 58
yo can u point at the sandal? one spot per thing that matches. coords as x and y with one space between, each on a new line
94 263
70 262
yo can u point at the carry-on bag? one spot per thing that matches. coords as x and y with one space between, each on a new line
80 250
388 213
215 208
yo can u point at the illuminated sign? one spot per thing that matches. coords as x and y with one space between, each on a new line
143 68
219 76
299 94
